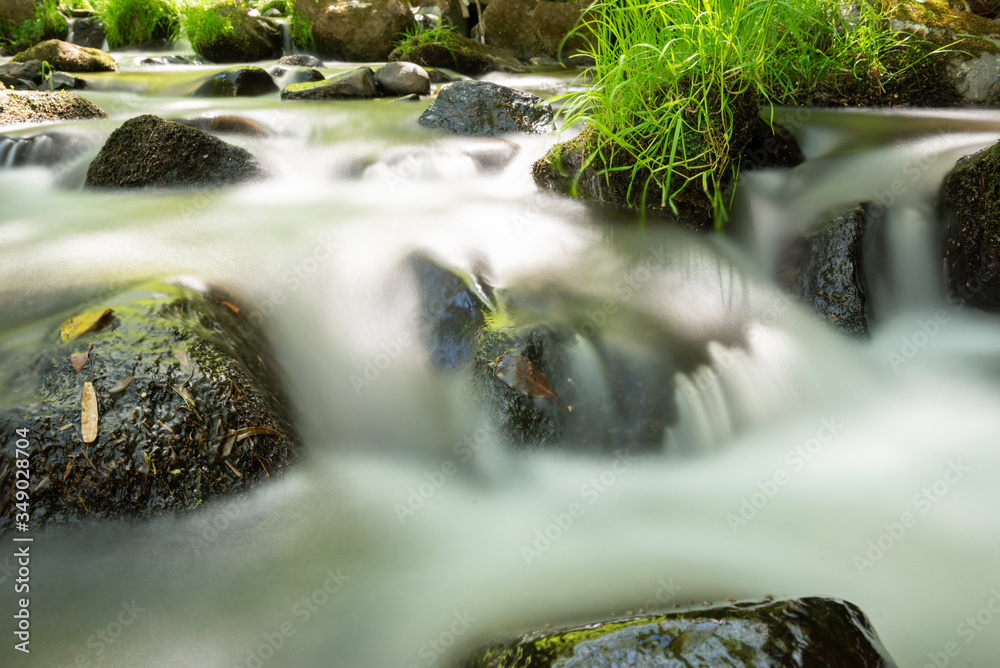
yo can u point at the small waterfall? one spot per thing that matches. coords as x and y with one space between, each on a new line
286 36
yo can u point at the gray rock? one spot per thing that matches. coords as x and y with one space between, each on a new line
31 70
300 75
301 60
359 83
356 31
485 109
401 78
67 57
89 32
238 82
63 81
39 106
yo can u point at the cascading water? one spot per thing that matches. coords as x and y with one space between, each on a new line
410 532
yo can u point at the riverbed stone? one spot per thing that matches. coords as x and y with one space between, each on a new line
301 60
148 152
248 39
31 71
402 78
356 84
972 230
486 109
68 57
462 54
40 106
188 408
824 269
536 28
237 82
809 631
89 32
356 30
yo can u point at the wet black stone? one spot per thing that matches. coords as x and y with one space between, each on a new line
771 148
148 152
485 109
31 70
824 269
201 377
89 32
238 82
820 632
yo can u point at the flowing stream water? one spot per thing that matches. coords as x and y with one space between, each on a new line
409 532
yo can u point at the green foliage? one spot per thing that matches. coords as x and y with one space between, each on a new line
47 23
204 25
138 22
441 35
674 78
300 31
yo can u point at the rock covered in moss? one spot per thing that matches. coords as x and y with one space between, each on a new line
972 233
40 106
246 38
237 82
791 632
68 57
823 269
486 109
187 406
536 28
149 152
356 31
464 55
356 84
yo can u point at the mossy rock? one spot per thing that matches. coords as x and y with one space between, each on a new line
67 57
41 106
149 152
458 53
238 82
972 234
188 405
244 38
791 632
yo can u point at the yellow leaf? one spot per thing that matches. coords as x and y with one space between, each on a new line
83 323
88 416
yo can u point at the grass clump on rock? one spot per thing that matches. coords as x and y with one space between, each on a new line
677 84
46 23
131 23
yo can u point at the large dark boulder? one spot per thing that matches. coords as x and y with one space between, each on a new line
186 405
485 109
823 269
458 53
237 82
972 232
356 84
245 39
536 28
801 632
149 152
356 31
68 57
40 106
89 32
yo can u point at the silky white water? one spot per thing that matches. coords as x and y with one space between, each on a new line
800 464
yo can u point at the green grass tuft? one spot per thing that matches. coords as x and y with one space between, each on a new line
130 23
47 23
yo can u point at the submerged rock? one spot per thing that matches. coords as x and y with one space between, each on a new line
401 78
356 31
68 57
485 109
149 152
41 106
972 233
359 83
237 82
823 269
185 406
791 632
246 39
458 53
225 124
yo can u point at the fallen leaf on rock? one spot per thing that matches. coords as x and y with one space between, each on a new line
232 307
121 385
182 358
88 416
517 372
83 323
78 360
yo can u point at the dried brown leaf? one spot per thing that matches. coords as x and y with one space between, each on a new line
517 372
88 417
121 385
78 360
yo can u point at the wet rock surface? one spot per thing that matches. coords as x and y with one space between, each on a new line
535 28
356 31
356 84
188 408
820 632
823 269
485 109
40 106
148 152
68 57
401 78
301 60
247 39
297 75
89 32
238 81
971 199
458 53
